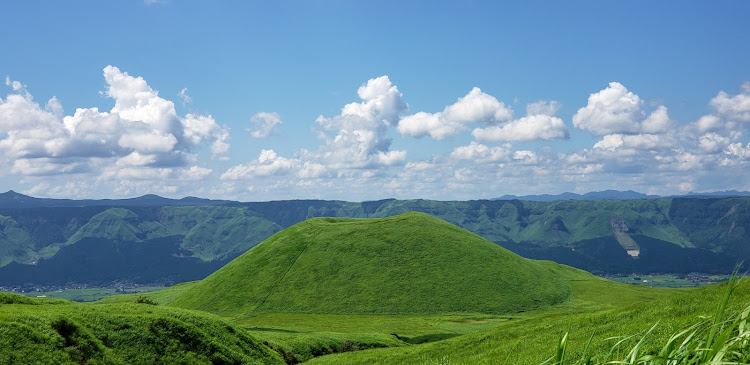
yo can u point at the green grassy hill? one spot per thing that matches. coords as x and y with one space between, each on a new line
36 331
412 263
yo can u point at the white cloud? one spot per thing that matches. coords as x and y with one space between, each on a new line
311 170
16 85
610 142
615 110
658 121
195 173
708 123
359 132
528 128
611 110
525 156
263 124
196 128
148 142
474 107
267 163
382 105
354 149
738 150
481 153
734 108
184 97
135 101
142 135
427 124
712 143
477 107
136 159
543 107
613 142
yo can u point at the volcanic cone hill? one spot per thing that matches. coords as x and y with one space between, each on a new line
411 263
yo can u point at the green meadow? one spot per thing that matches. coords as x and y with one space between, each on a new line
410 289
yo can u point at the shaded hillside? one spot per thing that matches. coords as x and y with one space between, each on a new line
102 261
208 232
60 332
411 263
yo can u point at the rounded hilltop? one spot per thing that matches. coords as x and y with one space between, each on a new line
410 263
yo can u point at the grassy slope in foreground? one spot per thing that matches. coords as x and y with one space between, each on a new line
62 332
412 263
533 340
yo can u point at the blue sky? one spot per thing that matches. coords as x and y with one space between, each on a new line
366 100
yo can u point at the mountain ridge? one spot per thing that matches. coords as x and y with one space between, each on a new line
705 234
618 195
13 199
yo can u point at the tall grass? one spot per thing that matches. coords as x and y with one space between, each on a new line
719 339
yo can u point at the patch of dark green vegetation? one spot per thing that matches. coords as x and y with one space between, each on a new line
432 337
102 261
61 332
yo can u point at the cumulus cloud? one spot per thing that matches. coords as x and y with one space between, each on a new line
268 163
657 122
474 107
141 137
482 153
730 116
354 151
540 123
263 124
738 150
615 110
708 123
635 142
713 143
528 128
356 138
733 108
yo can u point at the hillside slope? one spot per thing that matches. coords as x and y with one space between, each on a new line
596 333
34 331
412 263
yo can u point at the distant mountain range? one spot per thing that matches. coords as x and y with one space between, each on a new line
151 239
615 195
11 199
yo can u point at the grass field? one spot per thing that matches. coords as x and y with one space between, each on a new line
532 338
600 308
